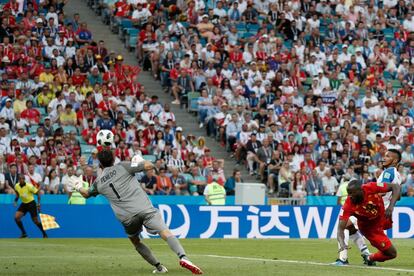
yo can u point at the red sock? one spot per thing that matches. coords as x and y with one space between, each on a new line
379 257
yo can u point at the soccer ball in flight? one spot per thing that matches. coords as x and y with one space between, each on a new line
105 137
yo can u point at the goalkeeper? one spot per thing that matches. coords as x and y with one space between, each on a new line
133 208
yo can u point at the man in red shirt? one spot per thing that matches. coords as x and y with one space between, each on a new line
366 204
32 115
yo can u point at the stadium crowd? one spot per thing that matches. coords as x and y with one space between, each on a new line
59 87
304 94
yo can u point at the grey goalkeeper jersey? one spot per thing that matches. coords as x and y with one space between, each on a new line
124 192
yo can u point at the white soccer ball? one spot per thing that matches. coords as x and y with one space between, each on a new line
105 137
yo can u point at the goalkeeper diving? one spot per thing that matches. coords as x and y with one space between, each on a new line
133 208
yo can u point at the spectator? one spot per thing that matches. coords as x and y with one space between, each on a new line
214 193
178 181
164 185
299 186
52 183
149 182
314 185
231 182
285 179
330 184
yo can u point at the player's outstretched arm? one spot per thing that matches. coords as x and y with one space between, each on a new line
396 191
341 235
137 164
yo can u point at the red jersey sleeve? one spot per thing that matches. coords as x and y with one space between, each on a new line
375 188
346 210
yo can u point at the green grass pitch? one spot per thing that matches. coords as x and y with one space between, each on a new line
214 256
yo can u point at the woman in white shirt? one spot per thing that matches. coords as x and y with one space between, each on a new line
52 183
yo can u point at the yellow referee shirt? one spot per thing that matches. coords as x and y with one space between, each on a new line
26 193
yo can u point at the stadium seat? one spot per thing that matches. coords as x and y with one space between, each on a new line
193 101
396 84
308 81
253 28
187 177
150 158
241 26
68 129
125 24
132 43
42 112
87 149
81 140
33 129
388 75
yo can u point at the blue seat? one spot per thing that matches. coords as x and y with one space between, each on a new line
81 140
86 149
68 129
126 23
150 158
288 44
132 31
33 129
187 177
42 112
132 42
241 26
388 75
253 28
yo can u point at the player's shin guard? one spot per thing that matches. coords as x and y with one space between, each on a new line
358 239
175 246
146 253
380 257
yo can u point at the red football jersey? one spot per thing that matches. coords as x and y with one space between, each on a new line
371 208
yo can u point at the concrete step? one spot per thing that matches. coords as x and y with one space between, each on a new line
187 121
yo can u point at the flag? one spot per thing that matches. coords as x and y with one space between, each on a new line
48 222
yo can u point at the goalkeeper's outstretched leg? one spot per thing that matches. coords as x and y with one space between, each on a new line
175 246
146 253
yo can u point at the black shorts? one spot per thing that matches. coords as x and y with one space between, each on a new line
30 207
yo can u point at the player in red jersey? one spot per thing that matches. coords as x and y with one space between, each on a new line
366 204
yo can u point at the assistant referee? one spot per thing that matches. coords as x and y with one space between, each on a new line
26 192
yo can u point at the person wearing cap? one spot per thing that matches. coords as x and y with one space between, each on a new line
205 28
7 111
344 56
140 15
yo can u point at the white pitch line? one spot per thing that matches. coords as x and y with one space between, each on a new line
305 263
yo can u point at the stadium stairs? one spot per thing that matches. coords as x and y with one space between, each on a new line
187 121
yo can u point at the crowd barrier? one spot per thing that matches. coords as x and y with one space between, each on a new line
195 221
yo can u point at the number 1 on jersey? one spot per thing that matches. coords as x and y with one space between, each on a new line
115 191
